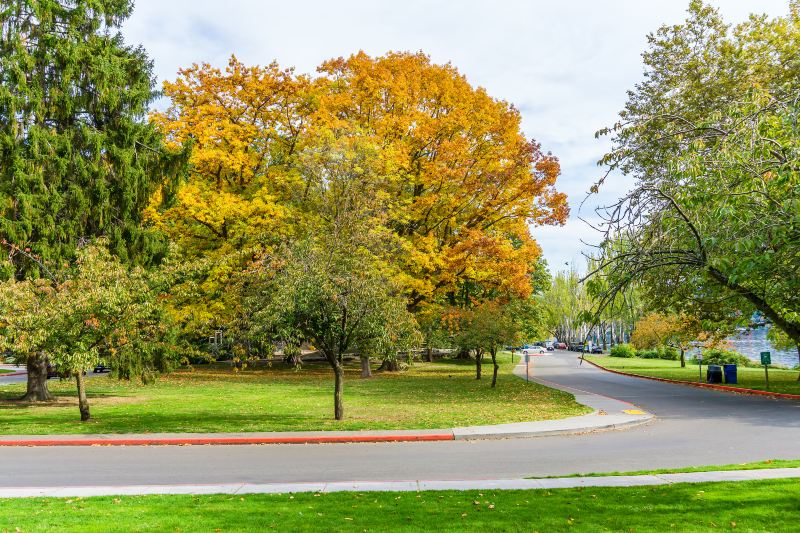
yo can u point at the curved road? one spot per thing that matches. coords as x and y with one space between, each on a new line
692 427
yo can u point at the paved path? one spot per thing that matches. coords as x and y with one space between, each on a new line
692 427
402 486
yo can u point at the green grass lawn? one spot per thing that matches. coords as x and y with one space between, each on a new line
6 371
759 465
430 395
749 378
754 506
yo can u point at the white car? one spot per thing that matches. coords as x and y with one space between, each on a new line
534 350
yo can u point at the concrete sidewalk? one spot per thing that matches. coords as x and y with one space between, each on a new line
403 486
609 414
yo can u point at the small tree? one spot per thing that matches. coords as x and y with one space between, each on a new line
494 326
337 297
781 341
99 309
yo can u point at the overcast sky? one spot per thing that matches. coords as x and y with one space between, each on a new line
565 64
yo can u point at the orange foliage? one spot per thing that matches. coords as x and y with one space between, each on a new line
459 182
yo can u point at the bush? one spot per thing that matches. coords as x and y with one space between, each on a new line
622 350
715 356
662 352
669 353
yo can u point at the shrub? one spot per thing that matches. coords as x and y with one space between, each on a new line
622 350
716 356
647 354
668 352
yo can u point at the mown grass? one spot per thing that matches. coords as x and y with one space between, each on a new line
754 506
759 465
6 371
748 377
429 395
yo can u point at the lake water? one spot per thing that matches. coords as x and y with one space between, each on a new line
752 342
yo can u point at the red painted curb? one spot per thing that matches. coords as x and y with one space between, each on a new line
8 375
189 441
727 388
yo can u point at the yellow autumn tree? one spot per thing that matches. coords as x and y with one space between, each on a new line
466 181
456 182
243 192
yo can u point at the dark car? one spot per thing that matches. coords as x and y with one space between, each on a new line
101 368
597 349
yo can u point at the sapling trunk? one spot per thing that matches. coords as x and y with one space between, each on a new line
496 367
83 402
338 391
478 363
683 358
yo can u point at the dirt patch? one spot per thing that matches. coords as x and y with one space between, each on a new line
66 401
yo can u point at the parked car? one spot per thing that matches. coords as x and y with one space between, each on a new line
101 368
533 350
561 346
597 349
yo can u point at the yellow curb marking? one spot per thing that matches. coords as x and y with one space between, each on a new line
633 412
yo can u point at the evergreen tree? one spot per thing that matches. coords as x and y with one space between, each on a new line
78 158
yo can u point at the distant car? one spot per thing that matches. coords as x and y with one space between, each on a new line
101 368
561 346
597 349
52 372
533 350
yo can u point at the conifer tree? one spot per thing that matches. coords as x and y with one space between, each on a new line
78 158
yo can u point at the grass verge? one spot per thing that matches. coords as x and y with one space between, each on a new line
768 506
6 371
429 395
759 465
784 381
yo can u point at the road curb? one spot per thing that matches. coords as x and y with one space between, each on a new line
726 388
8 375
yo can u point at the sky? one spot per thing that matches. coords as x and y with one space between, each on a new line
566 65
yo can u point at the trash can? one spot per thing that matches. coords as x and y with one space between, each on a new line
730 374
714 374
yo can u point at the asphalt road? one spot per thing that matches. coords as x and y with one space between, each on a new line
693 427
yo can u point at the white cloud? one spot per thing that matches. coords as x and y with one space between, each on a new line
566 65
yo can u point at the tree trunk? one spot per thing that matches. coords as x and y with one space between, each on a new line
366 371
83 402
683 358
463 354
478 362
389 365
37 380
429 355
293 360
338 402
496 367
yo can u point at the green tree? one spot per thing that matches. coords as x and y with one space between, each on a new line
712 225
78 158
100 309
335 287
494 325
782 341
